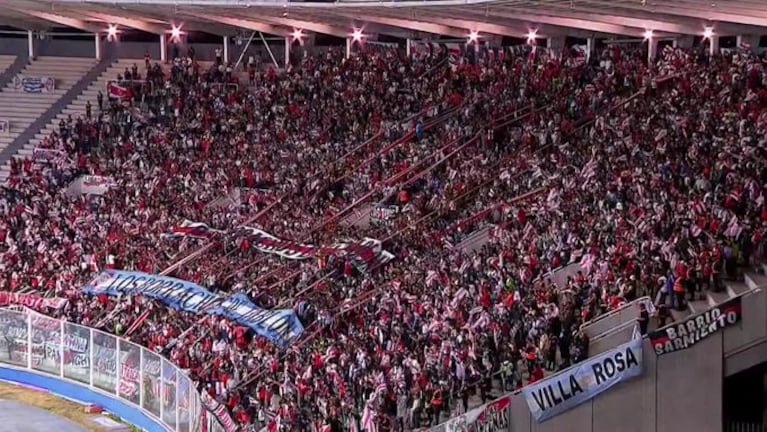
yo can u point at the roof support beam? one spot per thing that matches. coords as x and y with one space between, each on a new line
563 22
240 23
61 20
304 25
693 26
480 26
700 13
127 22
426 27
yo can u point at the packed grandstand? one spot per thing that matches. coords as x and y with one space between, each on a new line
399 216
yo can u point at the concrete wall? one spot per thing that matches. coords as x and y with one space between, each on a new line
127 50
678 392
681 391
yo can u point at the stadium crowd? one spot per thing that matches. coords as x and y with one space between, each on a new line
649 177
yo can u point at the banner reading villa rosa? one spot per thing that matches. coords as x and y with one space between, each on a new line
555 395
682 335
493 417
281 326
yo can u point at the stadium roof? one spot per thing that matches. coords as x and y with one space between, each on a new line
416 19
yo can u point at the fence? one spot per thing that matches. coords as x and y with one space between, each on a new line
105 364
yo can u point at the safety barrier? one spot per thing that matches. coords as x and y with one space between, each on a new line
94 367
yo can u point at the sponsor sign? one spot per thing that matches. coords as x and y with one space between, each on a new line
281 326
493 417
682 335
13 338
555 395
35 84
77 360
90 185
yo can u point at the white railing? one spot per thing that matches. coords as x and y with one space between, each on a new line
104 363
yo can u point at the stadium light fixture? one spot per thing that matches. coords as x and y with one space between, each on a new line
708 33
532 34
111 32
473 36
175 32
297 34
357 35
648 34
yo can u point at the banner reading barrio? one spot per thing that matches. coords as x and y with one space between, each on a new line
580 383
682 335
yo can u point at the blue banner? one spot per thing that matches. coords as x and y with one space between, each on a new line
280 326
570 388
273 324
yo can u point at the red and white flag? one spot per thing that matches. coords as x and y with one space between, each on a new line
116 91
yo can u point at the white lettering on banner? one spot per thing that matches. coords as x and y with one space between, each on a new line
679 336
31 301
219 411
90 185
582 382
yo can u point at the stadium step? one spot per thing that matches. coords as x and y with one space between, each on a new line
21 109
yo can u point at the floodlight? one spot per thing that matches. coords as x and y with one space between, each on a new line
297 34
112 31
357 35
708 33
473 36
175 31
531 35
648 34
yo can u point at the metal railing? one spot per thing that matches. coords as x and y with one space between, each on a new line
614 318
103 363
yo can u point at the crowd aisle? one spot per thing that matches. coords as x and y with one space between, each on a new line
652 178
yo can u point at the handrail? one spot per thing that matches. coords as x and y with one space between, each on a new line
617 311
104 363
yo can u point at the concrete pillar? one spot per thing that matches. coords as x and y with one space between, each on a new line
31 43
652 49
288 42
349 47
556 43
97 40
684 42
713 45
408 46
589 48
226 49
748 42
163 48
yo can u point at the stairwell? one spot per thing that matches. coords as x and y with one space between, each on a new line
21 109
77 108
73 76
6 61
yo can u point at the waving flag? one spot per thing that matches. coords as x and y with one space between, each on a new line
192 229
116 91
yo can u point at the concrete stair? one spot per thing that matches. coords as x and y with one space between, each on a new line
752 281
76 109
6 61
20 109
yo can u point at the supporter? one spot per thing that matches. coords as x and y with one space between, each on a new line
651 188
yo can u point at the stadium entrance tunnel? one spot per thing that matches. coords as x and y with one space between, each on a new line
744 402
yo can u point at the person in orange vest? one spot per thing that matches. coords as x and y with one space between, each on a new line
321 260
